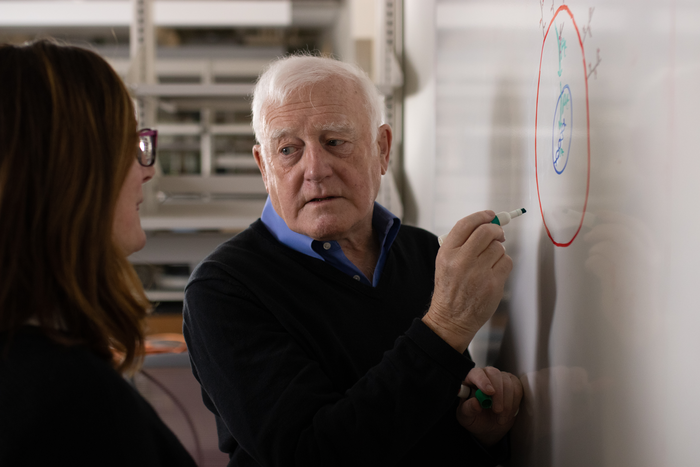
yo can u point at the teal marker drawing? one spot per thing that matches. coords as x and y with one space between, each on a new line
502 218
561 44
466 392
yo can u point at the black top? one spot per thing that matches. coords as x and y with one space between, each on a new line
67 406
303 365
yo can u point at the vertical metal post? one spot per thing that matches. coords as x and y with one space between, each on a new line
206 154
388 56
142 47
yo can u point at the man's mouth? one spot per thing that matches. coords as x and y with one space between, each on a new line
316 200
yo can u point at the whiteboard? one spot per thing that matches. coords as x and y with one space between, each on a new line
585 112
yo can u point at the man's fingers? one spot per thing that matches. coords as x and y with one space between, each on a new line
494 375
505 389
492 253
470 410
517 391
487 379
508 395
478 377
504 265
483 238
465 227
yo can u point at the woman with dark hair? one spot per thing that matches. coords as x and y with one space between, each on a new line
72 165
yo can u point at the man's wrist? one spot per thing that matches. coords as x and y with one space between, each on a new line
457 338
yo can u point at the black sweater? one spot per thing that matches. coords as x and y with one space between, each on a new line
67 406
303 365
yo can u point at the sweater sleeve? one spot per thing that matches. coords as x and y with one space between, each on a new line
444 354
280 408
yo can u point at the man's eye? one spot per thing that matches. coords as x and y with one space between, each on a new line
335 142
287 151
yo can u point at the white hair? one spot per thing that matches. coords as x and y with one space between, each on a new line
296 72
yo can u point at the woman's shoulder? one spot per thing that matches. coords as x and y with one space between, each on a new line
77 396
35 368
30 353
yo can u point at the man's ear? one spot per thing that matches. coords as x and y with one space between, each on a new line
258 155
384 138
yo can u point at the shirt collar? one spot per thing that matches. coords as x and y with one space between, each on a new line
383 222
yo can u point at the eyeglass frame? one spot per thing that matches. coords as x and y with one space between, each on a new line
152 135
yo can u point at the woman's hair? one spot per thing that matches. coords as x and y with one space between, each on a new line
296 72
67 141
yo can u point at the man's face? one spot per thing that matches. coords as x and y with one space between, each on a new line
320 165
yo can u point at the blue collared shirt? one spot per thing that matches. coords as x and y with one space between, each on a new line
383 222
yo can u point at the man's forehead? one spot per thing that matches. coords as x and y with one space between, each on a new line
332 126
331 104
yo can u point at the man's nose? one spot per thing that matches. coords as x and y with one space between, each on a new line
317 162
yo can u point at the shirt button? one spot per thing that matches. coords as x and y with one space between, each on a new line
327 246
356 277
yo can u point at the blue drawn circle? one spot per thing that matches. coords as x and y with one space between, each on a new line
559 135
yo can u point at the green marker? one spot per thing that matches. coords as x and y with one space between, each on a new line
502 218
466 392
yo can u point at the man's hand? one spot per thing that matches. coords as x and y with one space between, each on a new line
470 271
490 425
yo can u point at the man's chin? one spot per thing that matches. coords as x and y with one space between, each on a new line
340 222
322 229
325 235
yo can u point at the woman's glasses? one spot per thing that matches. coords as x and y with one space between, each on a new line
148 140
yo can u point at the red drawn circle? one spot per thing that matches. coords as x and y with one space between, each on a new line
588 128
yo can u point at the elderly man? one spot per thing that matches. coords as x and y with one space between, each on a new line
326 333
